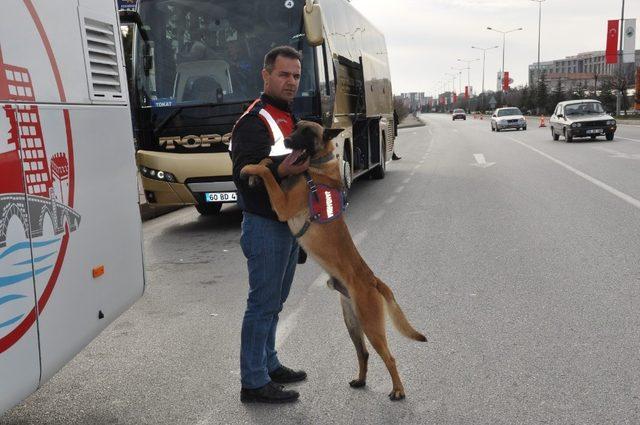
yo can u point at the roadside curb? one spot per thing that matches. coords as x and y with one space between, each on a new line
411 122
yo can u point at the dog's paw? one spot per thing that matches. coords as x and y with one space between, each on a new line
252 170
396 395
357 383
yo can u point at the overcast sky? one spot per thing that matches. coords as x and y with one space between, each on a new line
426 37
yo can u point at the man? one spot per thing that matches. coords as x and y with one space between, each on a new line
270 248
395 157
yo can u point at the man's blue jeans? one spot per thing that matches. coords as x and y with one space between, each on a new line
272 255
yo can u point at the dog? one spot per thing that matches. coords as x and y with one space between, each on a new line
363 296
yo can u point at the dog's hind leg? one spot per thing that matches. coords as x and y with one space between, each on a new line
370 310
357 336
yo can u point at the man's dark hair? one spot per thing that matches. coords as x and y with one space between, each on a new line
285 51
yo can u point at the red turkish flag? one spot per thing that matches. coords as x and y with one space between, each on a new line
612 41
466 92
505 81
455 97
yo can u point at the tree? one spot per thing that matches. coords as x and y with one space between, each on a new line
557 95
524 99
579 92
542 93
607 97
400 108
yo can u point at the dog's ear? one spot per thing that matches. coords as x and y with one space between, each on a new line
331 133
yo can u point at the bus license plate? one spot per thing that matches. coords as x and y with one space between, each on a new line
220 196
594 131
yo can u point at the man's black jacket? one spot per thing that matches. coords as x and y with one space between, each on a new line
251 143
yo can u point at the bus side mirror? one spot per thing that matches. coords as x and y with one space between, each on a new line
313 23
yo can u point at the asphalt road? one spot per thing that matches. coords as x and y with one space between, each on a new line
516 255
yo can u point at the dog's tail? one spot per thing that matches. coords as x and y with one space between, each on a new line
397 316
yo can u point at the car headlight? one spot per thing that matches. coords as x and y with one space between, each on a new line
611 122
158 175
576 124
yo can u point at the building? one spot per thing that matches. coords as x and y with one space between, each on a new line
414 101
25 142
584 69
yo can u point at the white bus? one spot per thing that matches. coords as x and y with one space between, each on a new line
70 231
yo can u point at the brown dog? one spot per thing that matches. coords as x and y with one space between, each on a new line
363 295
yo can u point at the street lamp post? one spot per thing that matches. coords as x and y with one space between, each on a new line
453 85
484 57
504 34
468 68
459 78
539 26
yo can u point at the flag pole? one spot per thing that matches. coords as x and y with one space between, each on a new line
620 76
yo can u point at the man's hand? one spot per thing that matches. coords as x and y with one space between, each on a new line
288 168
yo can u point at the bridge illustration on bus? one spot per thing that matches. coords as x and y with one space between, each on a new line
34 194
27 188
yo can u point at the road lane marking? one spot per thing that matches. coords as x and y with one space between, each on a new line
405 181
400 189
390 200
626 138
615 154
481 161
627 198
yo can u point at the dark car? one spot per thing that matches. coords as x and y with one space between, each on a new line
581 118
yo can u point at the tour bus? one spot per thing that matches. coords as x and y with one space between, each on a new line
70 231
196 68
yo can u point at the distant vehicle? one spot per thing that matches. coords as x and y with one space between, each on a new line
581 118
459 114
504 118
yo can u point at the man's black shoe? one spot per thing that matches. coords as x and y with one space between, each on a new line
284 375
270 393
395 157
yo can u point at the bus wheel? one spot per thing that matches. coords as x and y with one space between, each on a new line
209 209
346 174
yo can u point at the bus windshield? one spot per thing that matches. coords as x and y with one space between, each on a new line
203 51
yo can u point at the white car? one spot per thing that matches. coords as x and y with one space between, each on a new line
504 118
581 118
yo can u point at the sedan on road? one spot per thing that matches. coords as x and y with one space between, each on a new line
581 118
459 114
504 118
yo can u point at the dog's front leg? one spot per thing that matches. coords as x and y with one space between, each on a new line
281 203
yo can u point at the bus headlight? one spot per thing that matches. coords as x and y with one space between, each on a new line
158 175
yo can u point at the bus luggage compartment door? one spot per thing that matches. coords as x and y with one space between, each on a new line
19 351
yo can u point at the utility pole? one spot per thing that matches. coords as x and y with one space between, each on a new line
619 94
